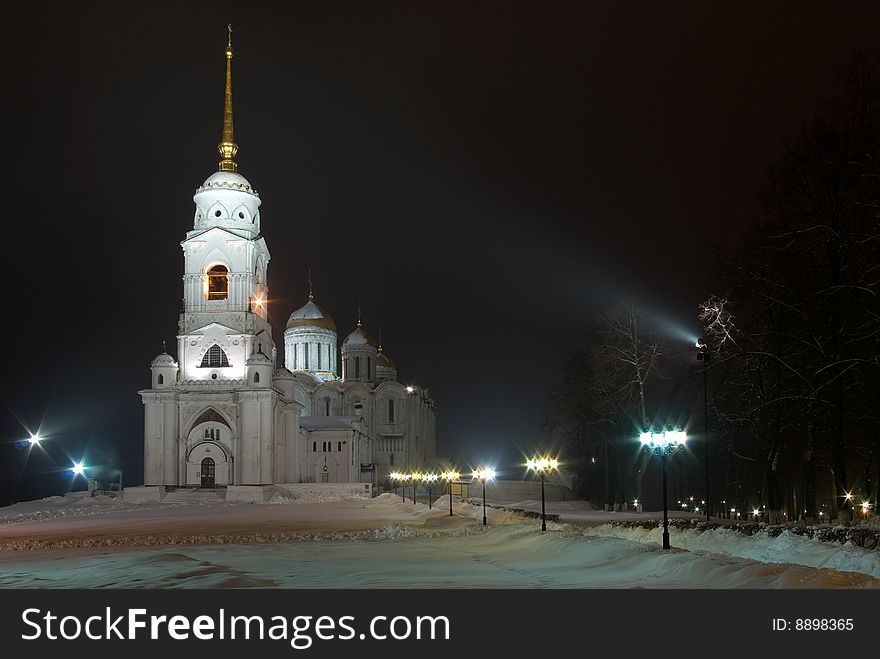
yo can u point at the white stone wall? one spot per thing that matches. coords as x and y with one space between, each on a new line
300 341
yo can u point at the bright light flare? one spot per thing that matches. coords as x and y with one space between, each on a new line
396 475
543 464
485 474
663 439
78 469
451 475
34 439
410 389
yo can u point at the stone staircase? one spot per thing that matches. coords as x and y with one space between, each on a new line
195 495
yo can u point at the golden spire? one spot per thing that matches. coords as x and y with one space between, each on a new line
227 147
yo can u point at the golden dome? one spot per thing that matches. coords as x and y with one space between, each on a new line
311 315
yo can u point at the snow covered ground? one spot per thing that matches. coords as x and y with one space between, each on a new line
386 543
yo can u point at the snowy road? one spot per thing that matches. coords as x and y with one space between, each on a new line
382 543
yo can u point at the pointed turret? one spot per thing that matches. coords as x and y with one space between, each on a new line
227 147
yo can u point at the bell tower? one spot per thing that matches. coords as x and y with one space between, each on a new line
224 318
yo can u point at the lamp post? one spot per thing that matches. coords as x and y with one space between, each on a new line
397 477
663 443
450 476
429 479
484 474
705 356
414 477
541 466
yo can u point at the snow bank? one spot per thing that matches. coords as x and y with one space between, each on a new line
784 548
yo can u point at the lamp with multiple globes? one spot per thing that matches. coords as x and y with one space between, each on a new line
484 474
449 476
542 466
399 478
429 479
663 443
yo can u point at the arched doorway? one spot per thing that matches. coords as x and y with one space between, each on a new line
207 472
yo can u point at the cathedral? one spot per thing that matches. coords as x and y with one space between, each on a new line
225 413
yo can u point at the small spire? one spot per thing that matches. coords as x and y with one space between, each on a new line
311 294
227 147
164 349
359 314
380 339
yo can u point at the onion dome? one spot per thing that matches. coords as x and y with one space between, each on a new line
311 315
359 338
383 360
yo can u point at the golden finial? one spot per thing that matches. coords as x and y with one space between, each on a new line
311 295
359 314
380 339
227 147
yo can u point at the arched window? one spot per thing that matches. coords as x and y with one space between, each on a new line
161 379
256 378
214 358
390 410
218 283
326 407
357 368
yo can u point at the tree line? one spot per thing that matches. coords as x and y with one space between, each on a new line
791 329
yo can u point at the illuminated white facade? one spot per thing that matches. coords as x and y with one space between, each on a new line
400 420
222 414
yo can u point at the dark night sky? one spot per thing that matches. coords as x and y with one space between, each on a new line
481 176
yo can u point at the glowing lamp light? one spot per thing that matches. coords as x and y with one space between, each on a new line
485 474
34 439
78 469
849 496
756 512
410 389
451 475
542 464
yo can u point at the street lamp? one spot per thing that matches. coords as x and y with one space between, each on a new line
705 356
78 469
429 479
414 476
542 466
398 477
484 474
450 476
663 443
